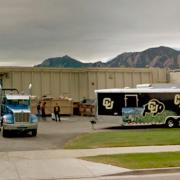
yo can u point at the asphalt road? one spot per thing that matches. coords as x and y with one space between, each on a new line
51 134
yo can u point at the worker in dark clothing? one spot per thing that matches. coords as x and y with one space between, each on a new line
57 112
39 109
43 110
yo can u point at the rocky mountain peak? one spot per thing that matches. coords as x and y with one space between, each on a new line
163 57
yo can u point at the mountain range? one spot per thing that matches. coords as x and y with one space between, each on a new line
163 57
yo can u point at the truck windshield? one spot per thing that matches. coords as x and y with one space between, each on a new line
18 102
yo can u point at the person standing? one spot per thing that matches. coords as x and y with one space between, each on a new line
39 108
43 110
57 112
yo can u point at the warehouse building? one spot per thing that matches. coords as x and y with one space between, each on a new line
77 83
174 76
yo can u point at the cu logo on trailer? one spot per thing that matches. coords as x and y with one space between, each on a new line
108 103
177 99
153 107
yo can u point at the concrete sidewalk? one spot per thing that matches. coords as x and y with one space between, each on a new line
64 164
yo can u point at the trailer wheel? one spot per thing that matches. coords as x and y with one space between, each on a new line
178 122
170 123
34 132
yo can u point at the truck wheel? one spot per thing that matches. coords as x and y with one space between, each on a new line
170 123
34 132
4 133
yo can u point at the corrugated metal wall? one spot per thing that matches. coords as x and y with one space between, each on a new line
77 83
174 76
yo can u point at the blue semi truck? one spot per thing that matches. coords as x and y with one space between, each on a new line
16 112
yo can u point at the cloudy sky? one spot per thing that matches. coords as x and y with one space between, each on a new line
87 30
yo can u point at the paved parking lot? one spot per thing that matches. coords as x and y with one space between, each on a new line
51 134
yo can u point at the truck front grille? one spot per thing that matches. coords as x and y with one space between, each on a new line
21 117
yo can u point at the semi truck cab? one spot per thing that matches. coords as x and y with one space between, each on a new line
16 113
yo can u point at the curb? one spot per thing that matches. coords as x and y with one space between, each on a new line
147 171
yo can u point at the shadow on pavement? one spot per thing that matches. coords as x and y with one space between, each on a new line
134 127
16 134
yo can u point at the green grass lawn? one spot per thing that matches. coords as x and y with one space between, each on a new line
126 137
140 160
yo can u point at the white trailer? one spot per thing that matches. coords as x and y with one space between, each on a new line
143 105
